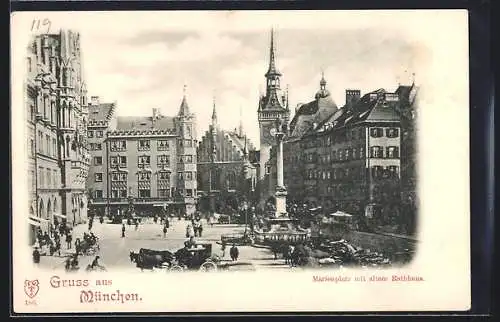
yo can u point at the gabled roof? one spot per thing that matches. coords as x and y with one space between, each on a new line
372 107
126 123
100 112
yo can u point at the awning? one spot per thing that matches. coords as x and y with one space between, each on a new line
33 222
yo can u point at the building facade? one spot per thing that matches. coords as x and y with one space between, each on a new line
351 160
101 120
226 174
56 106
147 162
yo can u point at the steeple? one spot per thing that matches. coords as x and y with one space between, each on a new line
272 70
184 109
323 92
214 114
273 98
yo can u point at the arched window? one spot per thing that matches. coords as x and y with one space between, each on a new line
41 209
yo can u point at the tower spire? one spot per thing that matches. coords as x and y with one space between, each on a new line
214 113
272 58
184 109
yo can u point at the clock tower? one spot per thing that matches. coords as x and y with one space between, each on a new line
273 105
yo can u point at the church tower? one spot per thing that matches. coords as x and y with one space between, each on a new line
185 125
272 105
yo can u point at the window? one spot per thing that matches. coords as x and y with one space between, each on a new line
90 134
123 193
163 160
163 193
118 176
97 160
393 171
347 154
114 194
119 145
354 153
188 159
49 178
41 177
376 152
98 193
98 177
377 172
99 134
123 160
341 155
145 176
144 160
188 143
144 193
392 132
334 155
143 145
180 175
32 147
163 145
98 146
376 132
188 176
393 152
47 144
164 175
54 147
114 160
362 153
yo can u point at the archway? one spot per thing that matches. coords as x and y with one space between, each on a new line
49 209
54 206
41 208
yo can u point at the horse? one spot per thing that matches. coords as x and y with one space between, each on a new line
165 254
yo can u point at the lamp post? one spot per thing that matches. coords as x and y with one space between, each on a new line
245 208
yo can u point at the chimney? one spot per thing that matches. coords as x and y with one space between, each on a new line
94 100
352 96
156 113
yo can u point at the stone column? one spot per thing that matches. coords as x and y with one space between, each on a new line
280 194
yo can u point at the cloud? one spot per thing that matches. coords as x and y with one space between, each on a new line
143 60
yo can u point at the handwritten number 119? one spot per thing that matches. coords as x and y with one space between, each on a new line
38 24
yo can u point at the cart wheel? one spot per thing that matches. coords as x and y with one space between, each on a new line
176 268
208 266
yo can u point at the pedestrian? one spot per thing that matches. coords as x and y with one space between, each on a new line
200 228
90 224
36 256
69 239
78 246
123 230
234 253
68 263
223 249
136 224
165 231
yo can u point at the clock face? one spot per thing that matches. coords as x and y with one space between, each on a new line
267 137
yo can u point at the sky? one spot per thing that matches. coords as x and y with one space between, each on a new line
142 60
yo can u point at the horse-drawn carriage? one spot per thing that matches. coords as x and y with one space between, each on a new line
198 257
90 246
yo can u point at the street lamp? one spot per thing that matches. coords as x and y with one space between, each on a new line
245 208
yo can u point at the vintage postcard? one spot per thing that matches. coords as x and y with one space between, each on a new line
232 161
